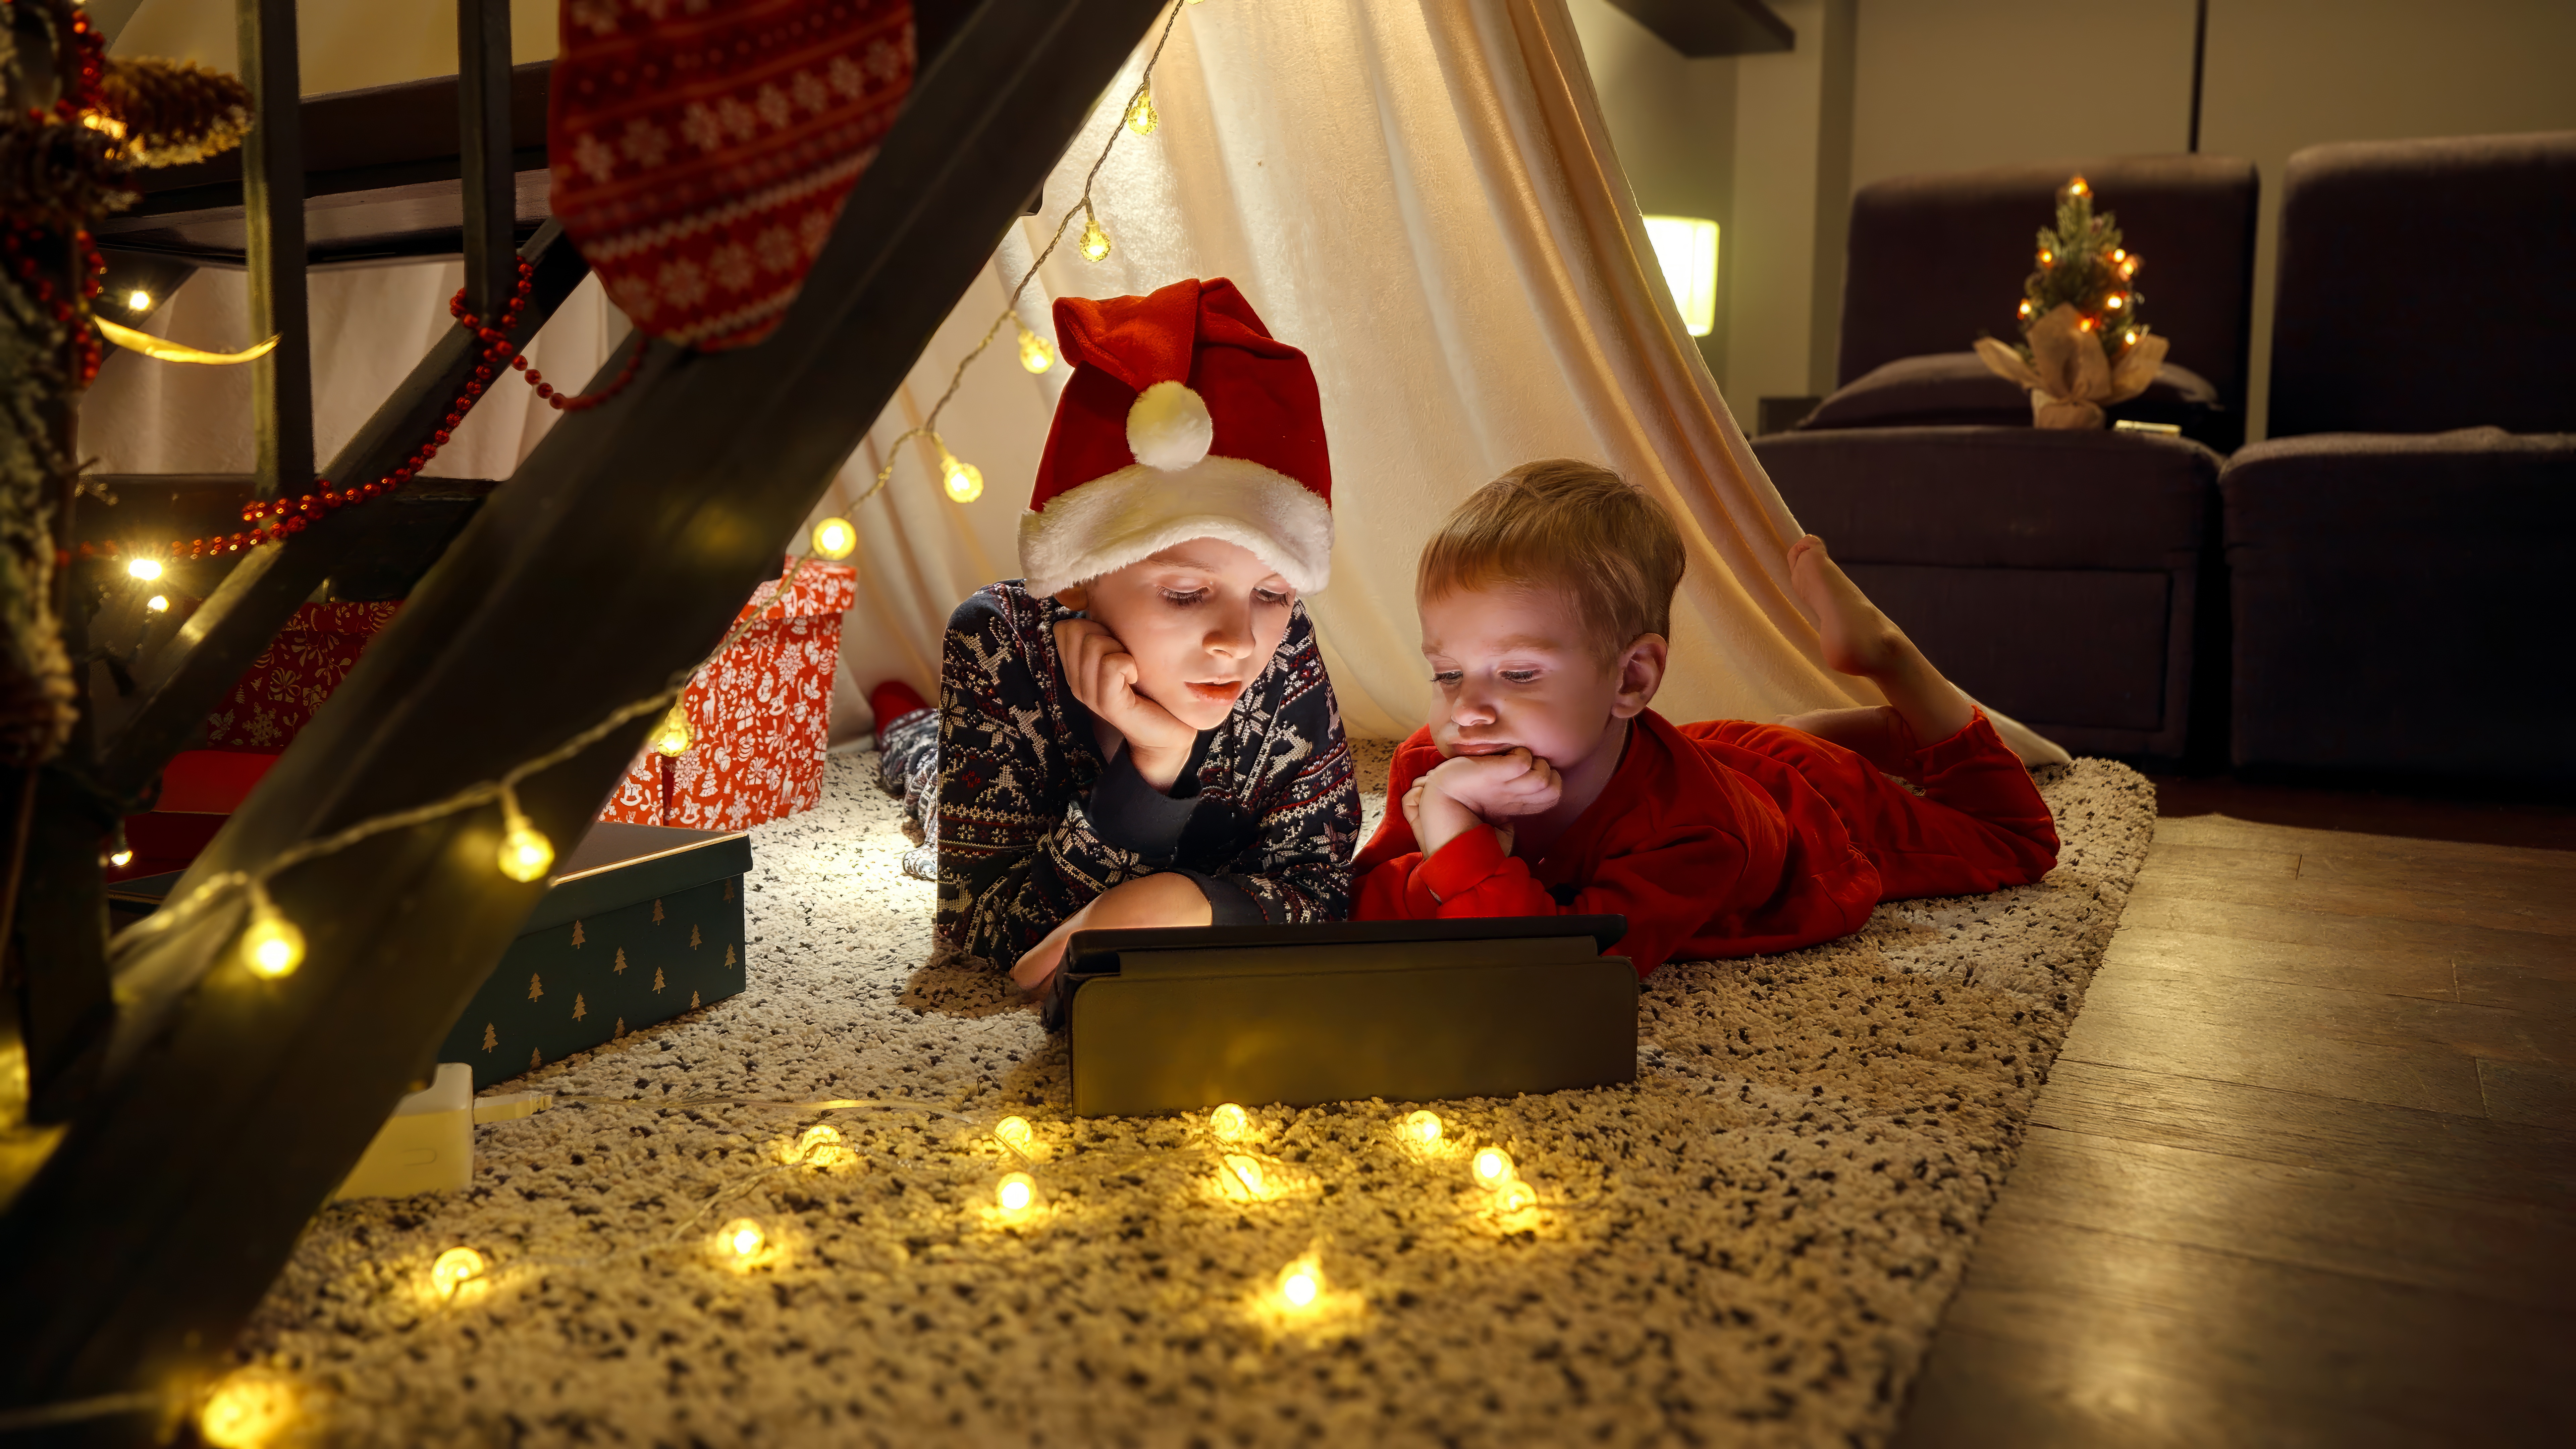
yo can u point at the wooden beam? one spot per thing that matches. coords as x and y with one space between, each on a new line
1703 28
483 148
177 685
610 565
281 384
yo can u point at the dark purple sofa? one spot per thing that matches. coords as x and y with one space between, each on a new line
2071 579
2401 548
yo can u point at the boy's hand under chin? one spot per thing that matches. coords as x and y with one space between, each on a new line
1102 674
1465 792
1154 900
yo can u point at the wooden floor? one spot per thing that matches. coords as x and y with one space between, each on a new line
2305 1173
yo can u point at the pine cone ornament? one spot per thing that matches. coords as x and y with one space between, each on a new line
173 111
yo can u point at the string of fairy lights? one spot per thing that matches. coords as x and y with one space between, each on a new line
250 1408
963 481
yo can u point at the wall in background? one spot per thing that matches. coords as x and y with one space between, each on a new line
1793 148
2284 75
1672 121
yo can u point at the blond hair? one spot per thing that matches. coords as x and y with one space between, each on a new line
1572 526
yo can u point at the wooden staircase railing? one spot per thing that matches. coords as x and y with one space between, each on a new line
144 1224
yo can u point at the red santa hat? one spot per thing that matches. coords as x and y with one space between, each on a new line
1185 419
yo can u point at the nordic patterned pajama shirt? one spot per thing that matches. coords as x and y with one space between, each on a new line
1028 823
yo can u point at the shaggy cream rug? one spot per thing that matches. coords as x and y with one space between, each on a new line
1751 1245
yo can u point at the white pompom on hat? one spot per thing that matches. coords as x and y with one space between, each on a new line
1185 419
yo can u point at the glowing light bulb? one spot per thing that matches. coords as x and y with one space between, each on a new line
2077 187
1095 242
2025 309
834 538
2116 302
146 569
2085 324
1301 1283
1036 353
1422 1128
1247 1172
1493 1166
121 858
2130 338
743 1238
454 1269
158 603
2119 254
1513 1196
138 300
1014 1132
271 946
525 853
964 481
2047 258
246 1411
2129 268
1015 1192
1142 118
820 1144
1229 1123
672 737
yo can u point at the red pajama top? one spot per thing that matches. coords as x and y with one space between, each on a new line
1728 838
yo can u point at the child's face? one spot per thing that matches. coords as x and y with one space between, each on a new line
1201 619
1512 668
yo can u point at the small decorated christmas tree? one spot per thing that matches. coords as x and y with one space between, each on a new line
2083 265
2083 346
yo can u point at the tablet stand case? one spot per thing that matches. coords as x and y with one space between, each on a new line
1170 1019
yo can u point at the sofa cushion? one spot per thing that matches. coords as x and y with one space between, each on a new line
1957 388
2400 308
2061 577
2000 497
2401 603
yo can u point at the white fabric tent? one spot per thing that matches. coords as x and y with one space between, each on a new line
1421 195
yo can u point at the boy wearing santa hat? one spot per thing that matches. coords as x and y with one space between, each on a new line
1140 732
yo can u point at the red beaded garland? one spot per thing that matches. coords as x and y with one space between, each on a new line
295 514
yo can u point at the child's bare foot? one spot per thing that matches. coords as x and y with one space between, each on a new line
1858 638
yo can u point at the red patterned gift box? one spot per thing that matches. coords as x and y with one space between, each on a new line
760 713
275 698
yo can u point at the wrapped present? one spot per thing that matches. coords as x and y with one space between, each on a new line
760 714
276 697
638 925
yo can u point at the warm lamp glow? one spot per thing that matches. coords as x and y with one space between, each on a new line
1229 1123
1511 1197
146 569
158 603
1687 248
1095 242
964 481
1247 1172
271 946
1015 1192
454 1269
138 300
1036 353
526 854
1014 1132
1493 1166
834 538
246 1411
1422 1128
743 1238
121 859
820 1144
672 737
1301 1282
1142 118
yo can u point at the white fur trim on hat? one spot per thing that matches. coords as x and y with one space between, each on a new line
1169 427
1136 512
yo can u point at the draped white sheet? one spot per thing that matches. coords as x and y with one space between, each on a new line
1422 196
1419 193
